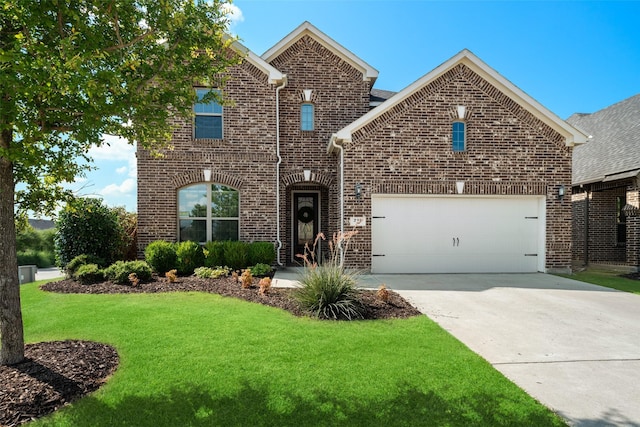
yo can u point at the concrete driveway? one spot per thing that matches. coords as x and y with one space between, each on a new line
573 346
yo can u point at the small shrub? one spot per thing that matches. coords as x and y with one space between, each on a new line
260 270
89 274
190 256
133 279
246 279
327 291
161 256
235 276
261 253
265 285
383 293
119 271
171 275
236 254
42 259
72 267
211 273
214 254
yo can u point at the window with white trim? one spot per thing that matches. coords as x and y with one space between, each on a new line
208 212
208 117
459 136
307 112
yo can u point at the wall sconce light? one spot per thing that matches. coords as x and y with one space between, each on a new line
460 187
207 174
307 175
561 192
358 191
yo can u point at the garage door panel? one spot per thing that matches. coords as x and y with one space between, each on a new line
454 234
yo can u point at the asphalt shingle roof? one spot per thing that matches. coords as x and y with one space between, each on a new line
615 146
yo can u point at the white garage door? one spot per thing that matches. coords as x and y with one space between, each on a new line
457 234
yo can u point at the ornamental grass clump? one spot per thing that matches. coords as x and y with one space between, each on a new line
326 290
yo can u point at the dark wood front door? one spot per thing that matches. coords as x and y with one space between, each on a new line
305 222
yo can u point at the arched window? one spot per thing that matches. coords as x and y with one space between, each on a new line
208 212
306 116
459 136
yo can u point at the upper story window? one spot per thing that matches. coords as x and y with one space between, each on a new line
459 136
307 112
208 121
208 212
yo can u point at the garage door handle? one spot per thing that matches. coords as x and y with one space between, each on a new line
456 241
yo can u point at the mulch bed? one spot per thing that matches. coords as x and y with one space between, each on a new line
52 375
56 373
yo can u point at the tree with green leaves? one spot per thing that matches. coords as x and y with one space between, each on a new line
75 70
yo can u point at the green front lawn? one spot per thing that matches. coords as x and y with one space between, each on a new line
607 278
195 359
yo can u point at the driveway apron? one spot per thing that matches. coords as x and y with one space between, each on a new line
573 346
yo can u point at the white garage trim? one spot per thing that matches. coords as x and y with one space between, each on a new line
457 233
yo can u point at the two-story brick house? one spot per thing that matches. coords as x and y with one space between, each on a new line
459 172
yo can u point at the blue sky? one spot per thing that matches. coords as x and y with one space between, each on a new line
571 56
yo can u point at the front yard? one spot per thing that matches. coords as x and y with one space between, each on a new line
194 359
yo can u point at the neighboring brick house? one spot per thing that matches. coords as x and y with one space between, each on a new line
606 225
459 172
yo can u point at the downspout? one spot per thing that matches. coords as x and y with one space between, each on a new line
341 149
278 241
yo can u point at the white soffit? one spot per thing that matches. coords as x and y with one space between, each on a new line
572 135
306 28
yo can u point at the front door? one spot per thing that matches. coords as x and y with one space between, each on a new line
305 222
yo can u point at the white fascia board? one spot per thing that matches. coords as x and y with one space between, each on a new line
572 135
275 76
306 28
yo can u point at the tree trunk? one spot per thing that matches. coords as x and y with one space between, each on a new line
11 330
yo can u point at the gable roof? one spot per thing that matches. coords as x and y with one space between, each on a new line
273 74
572 136
306 28
614 150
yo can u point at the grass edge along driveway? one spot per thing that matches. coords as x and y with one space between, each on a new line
195 359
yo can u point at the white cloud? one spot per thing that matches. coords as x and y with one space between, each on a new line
128 187
234 14
121 170
113 148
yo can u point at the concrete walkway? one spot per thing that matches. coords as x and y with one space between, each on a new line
574 347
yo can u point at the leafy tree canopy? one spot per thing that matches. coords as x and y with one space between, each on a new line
77 69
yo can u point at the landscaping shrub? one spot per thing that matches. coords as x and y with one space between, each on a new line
72 267
214 254
86 226
261 253
236 254
119 271
42 259
211 273
190 256
129 237
261 270
88 274
327 291
35 247
161 256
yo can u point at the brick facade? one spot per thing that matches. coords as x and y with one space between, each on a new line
405 150
509 152
597 204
